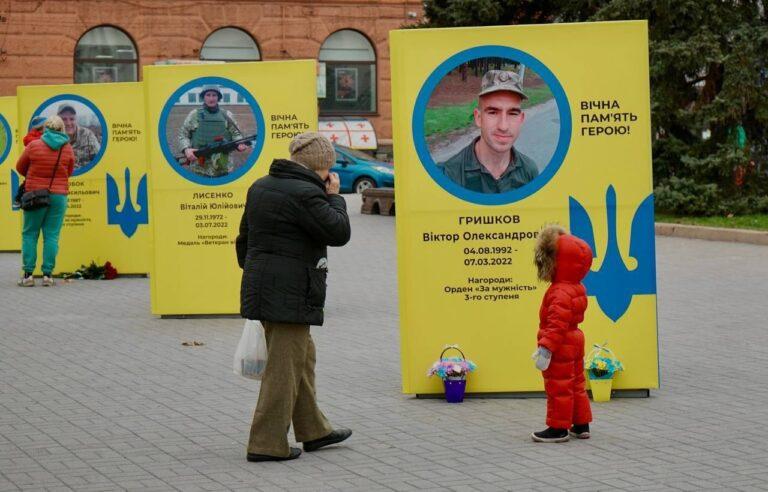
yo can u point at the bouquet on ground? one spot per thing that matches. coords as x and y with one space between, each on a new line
601 363
94 272
452 367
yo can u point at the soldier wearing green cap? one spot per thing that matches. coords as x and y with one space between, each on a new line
206 125
490 163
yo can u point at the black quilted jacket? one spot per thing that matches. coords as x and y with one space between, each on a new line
286 227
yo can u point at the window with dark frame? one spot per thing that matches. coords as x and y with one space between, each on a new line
230 44
348 62
106 54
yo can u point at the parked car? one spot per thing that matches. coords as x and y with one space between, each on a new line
358 171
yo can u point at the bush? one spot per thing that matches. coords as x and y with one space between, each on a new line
684 196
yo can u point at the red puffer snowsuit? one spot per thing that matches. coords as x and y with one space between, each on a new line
565 260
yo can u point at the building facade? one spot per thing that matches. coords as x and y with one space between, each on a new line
66 41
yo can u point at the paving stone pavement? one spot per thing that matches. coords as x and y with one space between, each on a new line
97 394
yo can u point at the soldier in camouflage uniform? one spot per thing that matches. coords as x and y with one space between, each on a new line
84 142
206 125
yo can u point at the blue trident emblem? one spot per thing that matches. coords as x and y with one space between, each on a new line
129 217
614 284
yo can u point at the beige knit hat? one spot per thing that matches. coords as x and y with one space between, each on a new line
312 150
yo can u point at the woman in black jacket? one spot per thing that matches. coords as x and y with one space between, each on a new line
290 217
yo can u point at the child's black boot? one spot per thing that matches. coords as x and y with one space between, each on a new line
551 434
580 431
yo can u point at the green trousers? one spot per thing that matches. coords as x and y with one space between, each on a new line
287 392
49 220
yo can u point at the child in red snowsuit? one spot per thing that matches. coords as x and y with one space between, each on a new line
564 260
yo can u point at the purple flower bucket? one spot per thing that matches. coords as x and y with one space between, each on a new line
454 390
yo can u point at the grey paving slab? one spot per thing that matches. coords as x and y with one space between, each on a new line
97 394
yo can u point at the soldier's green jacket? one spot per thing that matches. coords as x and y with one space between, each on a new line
195 133
465 170
86 146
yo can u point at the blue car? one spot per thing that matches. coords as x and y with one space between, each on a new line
358 171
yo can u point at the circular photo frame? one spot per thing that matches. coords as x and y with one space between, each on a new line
83 119
5 139
436 93
240 117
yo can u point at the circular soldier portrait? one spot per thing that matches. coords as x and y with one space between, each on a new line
491 125
211 130
83 123
5 139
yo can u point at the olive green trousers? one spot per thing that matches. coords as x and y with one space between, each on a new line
287 392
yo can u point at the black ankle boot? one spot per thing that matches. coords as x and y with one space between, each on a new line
580 431
550 434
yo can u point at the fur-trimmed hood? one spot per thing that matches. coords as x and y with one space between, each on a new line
560 256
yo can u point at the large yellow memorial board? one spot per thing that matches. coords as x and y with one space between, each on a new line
197 204
564 108
107 210
10 228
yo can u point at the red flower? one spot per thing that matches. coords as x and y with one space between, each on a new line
110 272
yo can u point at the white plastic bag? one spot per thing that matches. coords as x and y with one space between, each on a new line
251 353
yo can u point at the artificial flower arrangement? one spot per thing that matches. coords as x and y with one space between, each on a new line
601 365
452 367
453 371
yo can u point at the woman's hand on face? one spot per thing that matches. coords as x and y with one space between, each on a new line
332 184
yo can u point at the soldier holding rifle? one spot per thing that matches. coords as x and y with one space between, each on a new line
210 127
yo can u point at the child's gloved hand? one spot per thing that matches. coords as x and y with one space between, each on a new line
543 357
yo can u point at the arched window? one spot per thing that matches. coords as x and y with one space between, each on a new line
106 54
230 44
348 63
